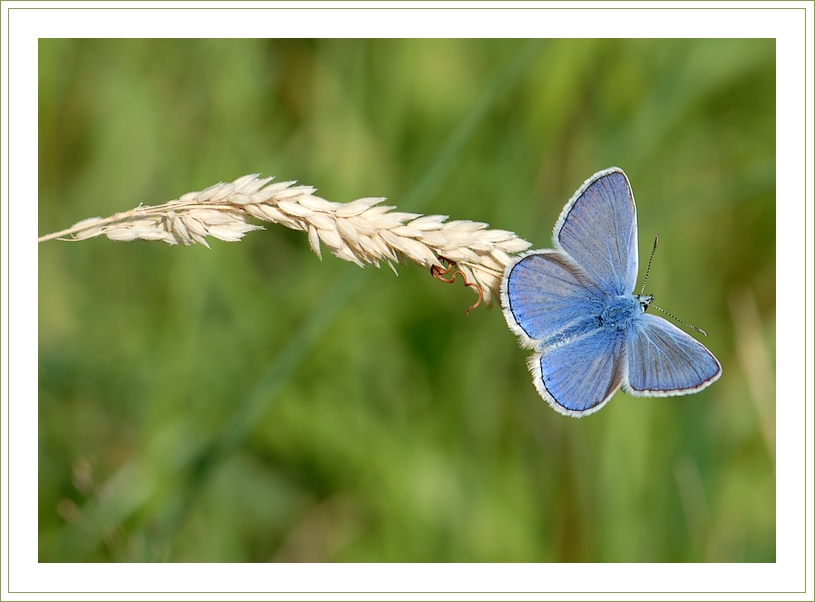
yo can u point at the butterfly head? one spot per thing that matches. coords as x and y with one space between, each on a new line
645 301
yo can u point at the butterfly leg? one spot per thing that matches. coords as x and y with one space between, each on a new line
440 273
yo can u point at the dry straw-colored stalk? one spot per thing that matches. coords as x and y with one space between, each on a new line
363 231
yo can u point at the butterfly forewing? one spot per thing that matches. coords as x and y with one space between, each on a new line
544 293
598 229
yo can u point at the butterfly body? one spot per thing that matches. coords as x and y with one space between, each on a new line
619 311
574 306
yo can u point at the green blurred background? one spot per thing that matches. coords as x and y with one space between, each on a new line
251 403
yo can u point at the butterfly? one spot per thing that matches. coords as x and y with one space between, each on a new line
574 306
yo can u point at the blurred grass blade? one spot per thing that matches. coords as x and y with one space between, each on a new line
442 166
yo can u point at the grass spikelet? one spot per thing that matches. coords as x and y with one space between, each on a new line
363 231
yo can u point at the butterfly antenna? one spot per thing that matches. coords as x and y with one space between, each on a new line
667 313
648 270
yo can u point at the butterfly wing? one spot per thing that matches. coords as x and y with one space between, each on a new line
598 229
579 377
553 306
544 295
663 360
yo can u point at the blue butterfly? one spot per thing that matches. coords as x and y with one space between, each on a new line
575 306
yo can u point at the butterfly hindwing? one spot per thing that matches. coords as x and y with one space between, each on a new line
663 360
598 229
579 377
